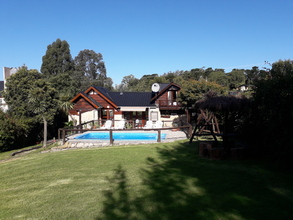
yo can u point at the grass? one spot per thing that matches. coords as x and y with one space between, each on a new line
157 181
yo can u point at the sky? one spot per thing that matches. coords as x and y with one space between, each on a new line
142 37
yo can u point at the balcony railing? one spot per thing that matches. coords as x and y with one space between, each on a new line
169 103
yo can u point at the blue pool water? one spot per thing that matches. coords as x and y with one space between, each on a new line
120 136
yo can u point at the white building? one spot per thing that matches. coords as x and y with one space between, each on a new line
7 72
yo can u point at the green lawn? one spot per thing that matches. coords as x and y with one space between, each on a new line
158 181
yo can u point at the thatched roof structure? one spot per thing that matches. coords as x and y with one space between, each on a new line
222 103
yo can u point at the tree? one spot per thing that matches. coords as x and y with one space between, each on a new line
171 76
64 83
108 83
218 77
21 89
194 74
132 84
90 69
282 68
268 127
236 78
128 83
194 90
42 104
17 89
57 59
65 105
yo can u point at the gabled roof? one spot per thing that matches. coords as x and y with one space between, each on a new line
88 98
163 88
104 93
92 100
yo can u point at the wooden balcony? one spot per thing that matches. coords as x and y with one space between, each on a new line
169 105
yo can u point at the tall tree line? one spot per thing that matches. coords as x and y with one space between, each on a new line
230 80
68 75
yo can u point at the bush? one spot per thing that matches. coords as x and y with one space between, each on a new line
13 132
269 125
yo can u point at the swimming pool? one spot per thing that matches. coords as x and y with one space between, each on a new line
120 136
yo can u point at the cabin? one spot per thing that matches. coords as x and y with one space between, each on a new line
100 104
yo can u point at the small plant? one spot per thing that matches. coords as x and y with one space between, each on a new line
97 124
68 124
128 125
175 122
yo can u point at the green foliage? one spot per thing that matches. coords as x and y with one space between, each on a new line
22 86
18 87
63 83
236 78
128 83
282 68
31 98
132 84
90 69
195 74
57 59
194 90
13 132
41 101
269 125
219 77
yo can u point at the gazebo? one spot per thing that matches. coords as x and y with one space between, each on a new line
211 108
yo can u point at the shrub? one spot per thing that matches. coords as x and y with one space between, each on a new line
13 132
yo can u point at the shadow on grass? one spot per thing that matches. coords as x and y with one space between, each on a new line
180 185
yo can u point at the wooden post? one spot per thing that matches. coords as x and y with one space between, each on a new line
79 118
59 136
111 137
159 136
190 131
63 136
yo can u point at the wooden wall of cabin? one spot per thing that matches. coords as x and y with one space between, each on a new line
101 101
163 97
81 105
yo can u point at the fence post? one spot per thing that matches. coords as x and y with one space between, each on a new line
111 137
63 136
159 136
59 136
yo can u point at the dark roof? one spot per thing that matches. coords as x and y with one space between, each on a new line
132 98
1 87
163 86
105 92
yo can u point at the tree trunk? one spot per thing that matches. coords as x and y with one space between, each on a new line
45 133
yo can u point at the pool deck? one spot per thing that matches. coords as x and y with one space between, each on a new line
78 143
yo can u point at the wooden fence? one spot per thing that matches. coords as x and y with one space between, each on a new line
64 133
